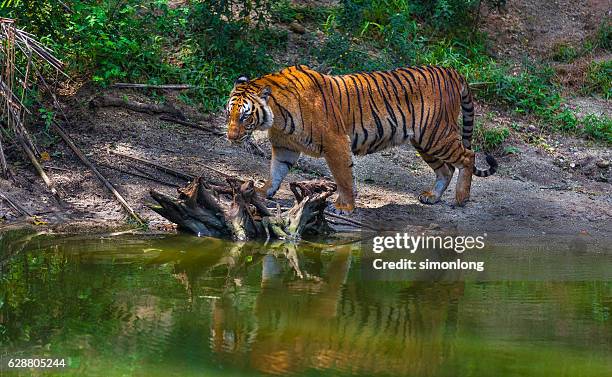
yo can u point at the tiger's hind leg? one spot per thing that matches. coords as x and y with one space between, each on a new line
463 159
444 174
340 163
464 180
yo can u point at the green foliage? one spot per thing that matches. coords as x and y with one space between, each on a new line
489 138
603 37
443 15
285 11
343 55
9 3
510 149
526 91
204 43
47 116
598 79
565 53
598 127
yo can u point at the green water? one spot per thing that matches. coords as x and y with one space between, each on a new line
182 306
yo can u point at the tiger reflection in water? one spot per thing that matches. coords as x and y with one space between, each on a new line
299 324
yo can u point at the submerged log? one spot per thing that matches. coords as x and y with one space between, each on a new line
236 211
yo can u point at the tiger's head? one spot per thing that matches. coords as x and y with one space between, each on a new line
247 110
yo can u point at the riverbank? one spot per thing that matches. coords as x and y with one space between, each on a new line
557 186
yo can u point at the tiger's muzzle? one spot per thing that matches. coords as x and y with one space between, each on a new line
237 136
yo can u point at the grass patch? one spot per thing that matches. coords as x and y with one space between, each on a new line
489 138
565 53
285 11
598 79
597 127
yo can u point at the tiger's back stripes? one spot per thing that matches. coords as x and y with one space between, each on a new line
332 116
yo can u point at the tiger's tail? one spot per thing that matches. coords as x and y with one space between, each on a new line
467 110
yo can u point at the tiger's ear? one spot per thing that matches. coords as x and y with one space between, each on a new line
241 80
265 93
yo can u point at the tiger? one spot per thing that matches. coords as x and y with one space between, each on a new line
338 116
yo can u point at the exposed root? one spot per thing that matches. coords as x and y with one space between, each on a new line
236 211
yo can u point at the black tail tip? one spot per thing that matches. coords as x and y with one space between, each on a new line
491 161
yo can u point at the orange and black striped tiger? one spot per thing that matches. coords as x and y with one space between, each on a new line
305 111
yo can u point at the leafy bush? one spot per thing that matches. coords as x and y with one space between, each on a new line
598 79
598 127
603 37
285 11
565 53
204 43
489 138
444 15
341 54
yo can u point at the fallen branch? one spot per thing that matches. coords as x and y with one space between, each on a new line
481 83
139 175
149 108
107 184
124 85
206 210
189 177
255 149
165 169
16 206
168 170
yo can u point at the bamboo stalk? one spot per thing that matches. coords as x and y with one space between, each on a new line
3 165
105 181
41 171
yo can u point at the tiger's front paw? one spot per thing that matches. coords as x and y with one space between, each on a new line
342 207
266 191
428 197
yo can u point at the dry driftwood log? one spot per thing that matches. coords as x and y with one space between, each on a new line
236 211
